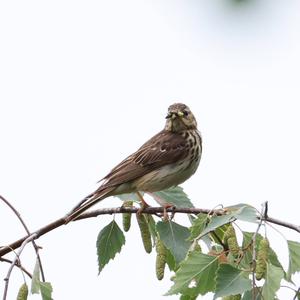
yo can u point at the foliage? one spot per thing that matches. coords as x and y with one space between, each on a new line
294 258
226 268
175 238
210 255
38 286
109 242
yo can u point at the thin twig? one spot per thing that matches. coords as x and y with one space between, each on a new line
118 210
36 248
6 279
297 294
18 265
263 214
282 223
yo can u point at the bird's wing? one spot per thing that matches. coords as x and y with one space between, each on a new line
162 149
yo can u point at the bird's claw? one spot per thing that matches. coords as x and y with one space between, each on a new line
144 205
166 216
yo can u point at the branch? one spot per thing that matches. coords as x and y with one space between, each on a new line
17 264
36 248
282 223
24 243
297 294
118 210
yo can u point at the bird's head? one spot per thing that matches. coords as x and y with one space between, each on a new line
180 118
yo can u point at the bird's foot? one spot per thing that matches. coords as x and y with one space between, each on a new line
142 208
144 204
166 216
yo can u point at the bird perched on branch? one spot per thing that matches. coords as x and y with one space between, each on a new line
166 160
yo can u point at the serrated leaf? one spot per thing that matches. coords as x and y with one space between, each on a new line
175 196
174 236
272 282
294 258
46 290
198 269
198 225
35 282
244 212
231 281
109 242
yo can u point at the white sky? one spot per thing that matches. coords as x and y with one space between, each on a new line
84 83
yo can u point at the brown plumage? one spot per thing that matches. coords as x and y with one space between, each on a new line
167 159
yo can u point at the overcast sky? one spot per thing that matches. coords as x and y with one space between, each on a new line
84 83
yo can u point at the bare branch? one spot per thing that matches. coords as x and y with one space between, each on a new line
117 210
36 248
282 223
6 279
297 294
17 264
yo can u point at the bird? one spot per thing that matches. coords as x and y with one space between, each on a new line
166 160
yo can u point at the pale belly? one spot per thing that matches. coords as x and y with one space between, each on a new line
166 177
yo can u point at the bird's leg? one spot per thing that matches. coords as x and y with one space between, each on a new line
165 213
165 206
144 204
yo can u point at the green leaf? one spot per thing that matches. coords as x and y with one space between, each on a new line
129 197
294 258
46 290
198 225
35 282
198 269
244 212
175 196
187 297
220 232
170 260
109 242
174 236
248 295
240 211
217 221
231 281
272 282
247 259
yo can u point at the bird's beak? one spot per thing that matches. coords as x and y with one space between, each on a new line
170 115
173 115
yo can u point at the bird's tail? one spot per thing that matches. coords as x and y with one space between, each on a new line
87 202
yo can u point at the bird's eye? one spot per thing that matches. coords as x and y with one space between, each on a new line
185 112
